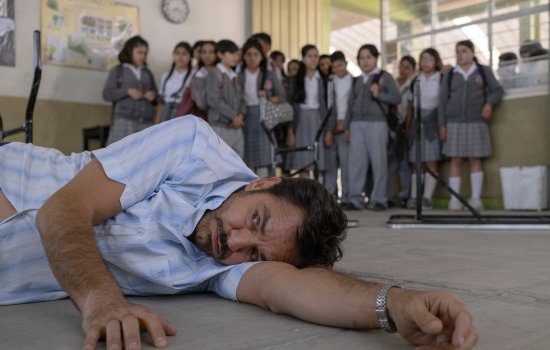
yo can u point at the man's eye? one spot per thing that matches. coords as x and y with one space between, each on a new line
254 255
255 219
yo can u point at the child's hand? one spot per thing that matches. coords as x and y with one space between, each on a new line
238 121
135 94
374 89
487 111
150 95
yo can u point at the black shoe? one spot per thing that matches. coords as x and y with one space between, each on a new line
378 207
391 204
351 206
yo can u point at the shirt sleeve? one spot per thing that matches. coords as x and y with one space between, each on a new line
226 283
144 160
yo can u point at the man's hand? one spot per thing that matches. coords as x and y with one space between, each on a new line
120 322
135 94
432 320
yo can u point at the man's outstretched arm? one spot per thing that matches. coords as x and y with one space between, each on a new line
65 223
433 320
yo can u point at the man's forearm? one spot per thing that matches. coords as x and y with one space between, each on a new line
66 222
69 243
315 295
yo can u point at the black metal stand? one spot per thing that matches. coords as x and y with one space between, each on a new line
309 148
461 221
27 126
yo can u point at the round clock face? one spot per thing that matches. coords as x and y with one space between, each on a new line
176 11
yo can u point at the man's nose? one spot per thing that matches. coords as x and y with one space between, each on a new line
240 239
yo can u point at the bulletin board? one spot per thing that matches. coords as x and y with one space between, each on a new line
7 33
86 33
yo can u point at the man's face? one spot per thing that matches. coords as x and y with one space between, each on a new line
251 226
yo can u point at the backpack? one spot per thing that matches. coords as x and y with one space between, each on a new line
189 106
391 115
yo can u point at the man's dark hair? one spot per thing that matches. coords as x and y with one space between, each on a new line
125 55
337 56
262 36
324 226
225 45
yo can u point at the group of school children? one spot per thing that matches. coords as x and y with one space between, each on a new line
229 87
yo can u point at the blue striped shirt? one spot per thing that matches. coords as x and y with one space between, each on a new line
173 172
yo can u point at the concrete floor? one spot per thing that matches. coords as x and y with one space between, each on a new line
502 276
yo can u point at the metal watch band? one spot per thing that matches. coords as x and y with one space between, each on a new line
382 310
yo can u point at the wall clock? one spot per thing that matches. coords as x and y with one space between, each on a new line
176 11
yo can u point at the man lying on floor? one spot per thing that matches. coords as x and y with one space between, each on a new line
173 209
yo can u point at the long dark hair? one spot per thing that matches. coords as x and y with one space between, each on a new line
125 55
469 44
208 42
181 45
255 44
300 95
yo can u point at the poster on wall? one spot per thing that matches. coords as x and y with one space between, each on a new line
86 33
7 33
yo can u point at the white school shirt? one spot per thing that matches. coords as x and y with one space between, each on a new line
173 85
342 89
173 172
366 76
429 90
135 71
230 72
312 91
251 88
471 70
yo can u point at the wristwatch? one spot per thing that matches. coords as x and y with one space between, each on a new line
382 310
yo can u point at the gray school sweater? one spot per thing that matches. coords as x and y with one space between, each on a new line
467 97
224 97
125 106
363 107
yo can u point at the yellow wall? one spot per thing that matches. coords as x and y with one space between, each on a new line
56 124
293 23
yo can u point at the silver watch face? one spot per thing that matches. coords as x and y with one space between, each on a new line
176 11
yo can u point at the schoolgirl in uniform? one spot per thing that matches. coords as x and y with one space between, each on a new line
306 93
469 92
207 62
367 129
429 80
131 88
174 82
257 82
225 98
398 157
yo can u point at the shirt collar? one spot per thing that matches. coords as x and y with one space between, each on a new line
231 73
366 76
458 69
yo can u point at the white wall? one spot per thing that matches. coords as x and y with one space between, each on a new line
83 85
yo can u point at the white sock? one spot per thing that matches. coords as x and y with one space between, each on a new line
413 186
429 186
454 183
477 184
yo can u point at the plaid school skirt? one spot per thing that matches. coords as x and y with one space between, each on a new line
468 140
